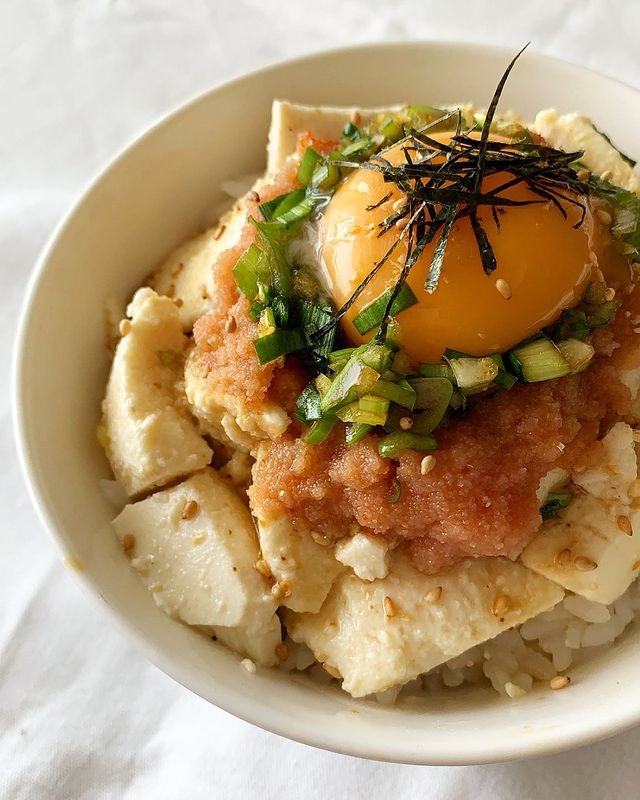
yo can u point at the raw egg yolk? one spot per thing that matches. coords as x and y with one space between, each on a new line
544 264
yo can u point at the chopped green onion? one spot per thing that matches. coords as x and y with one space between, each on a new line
320 430
308 405
376 356
356 431
391 129
281 204
295 213
505 379
401 393
325 176
250 268
323 384
359 146
280 311
539 360
396 443
433 396
436 371
397 492
554 503
373 314
312 318
577 354
354 380
372 412
474 374
308 163
351 132
278 343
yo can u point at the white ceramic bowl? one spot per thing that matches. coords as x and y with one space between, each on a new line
158 191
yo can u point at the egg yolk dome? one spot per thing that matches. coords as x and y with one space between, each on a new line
544 263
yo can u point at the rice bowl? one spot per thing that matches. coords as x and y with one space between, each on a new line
589 612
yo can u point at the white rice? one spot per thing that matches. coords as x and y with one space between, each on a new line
574 631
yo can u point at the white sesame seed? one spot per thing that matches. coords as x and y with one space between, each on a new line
329 668
559 682
503 287
190 509
500 606
563 557
427 464
606 175
513 690
624 524
584 564
398 204
406 423
263 568
433 595
609 293
389 608
249 665
253 196
124 327
219 232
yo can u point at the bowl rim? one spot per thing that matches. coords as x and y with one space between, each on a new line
233 702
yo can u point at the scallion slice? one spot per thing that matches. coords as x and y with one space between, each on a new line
391 129
539 360
373 314
433 396
320 430
554 503
325 175
402 393
354 380
436 371
279 343
308 163
281 204
474 374
356 431
372 412
577 354
250 268
396 443
308 405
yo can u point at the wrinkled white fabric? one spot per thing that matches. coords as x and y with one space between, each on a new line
82 715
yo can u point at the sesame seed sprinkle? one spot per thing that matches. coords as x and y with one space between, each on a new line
609 293
624 524
190 509
503 287
584 564
559 682
500 606
427 464
606 175
406 423
563 557
389 608
433 595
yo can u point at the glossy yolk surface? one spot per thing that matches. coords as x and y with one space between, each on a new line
545 261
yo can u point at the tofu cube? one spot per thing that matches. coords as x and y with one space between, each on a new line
386 632
195 547
152 438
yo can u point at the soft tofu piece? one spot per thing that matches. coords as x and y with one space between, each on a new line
153 439
187 273
611 479
570 132
298 563
373 650
368 556
587 549
199 562
324 122
226 417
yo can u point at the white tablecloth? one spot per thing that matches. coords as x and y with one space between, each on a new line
82 715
